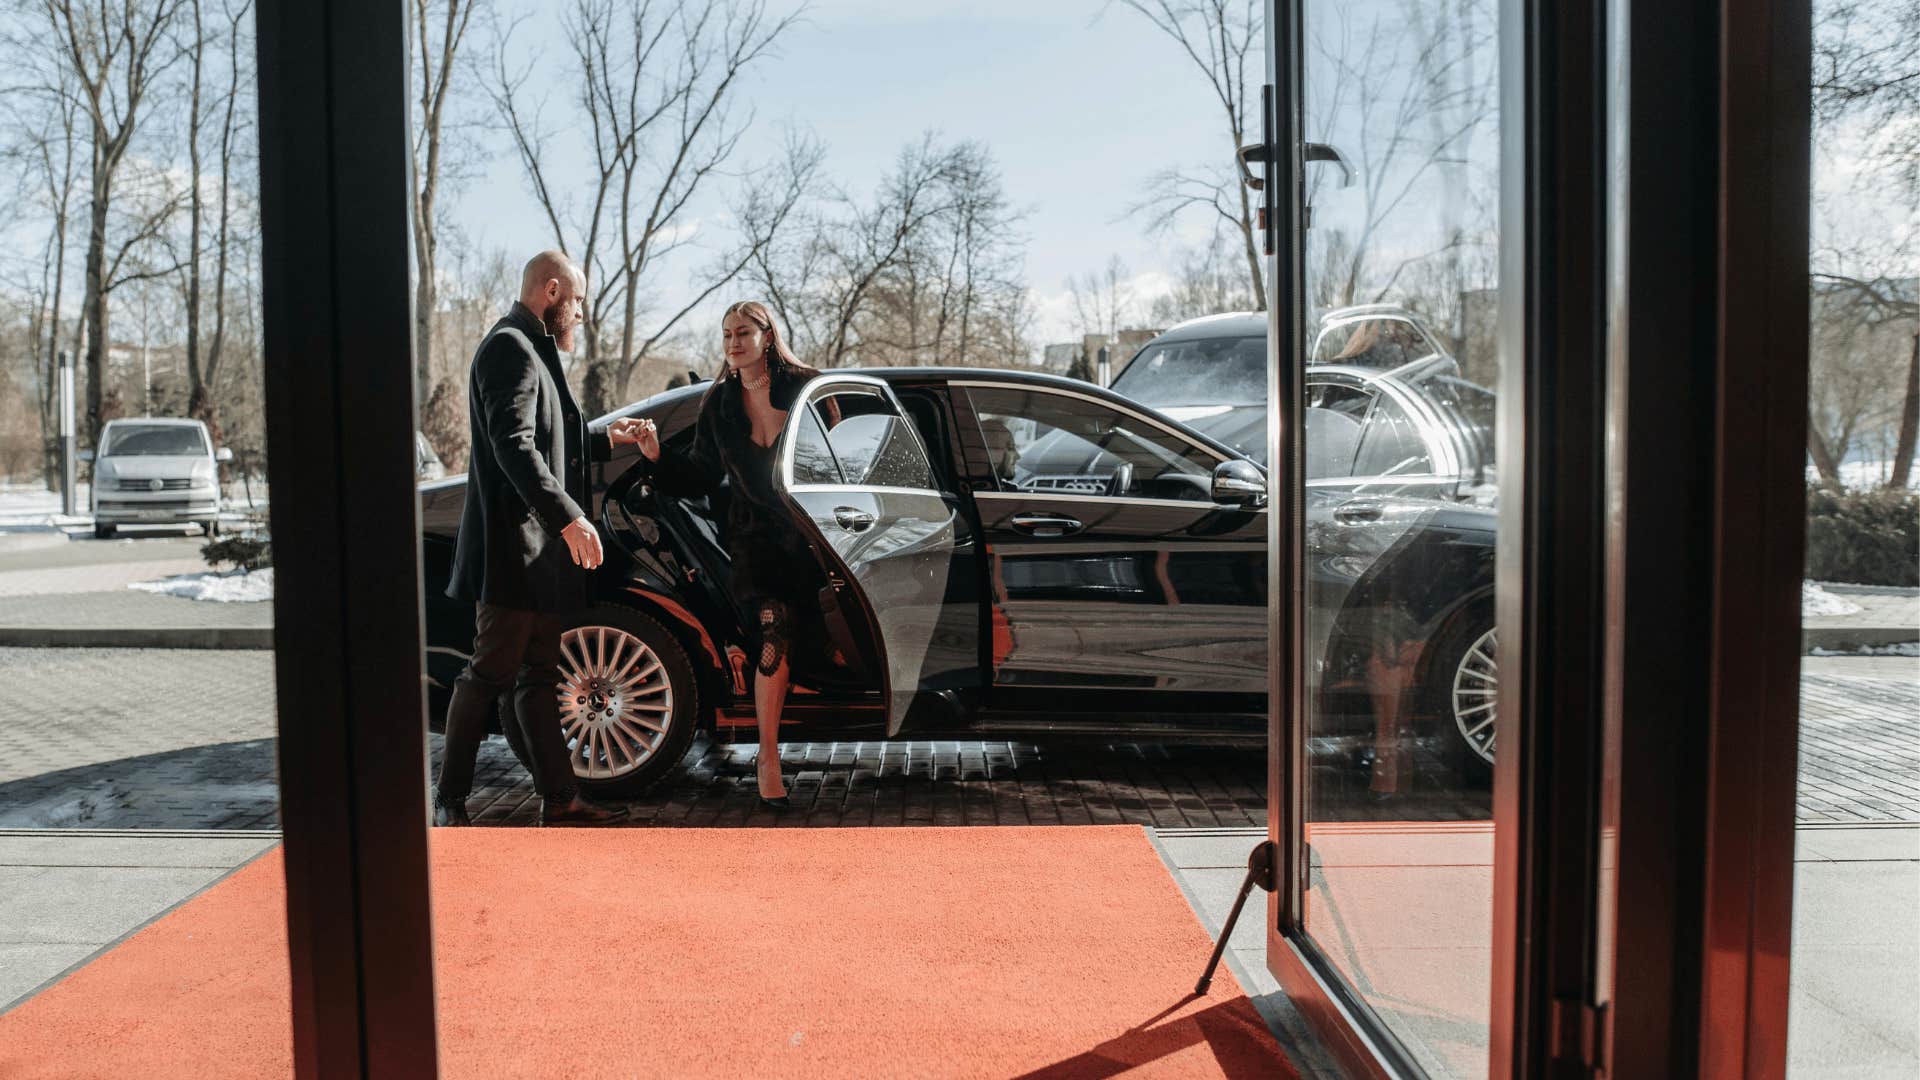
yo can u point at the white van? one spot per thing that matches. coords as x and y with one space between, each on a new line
156 471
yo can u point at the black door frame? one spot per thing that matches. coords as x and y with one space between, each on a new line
339 386
1655 186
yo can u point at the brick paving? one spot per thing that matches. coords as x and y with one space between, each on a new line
1859 749
109 738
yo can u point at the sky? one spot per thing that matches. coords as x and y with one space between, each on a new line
1080 102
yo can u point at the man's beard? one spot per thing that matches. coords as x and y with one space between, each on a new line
562 337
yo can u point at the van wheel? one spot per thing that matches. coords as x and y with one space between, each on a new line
103 532
629 702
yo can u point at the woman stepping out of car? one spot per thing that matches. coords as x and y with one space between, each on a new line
774 573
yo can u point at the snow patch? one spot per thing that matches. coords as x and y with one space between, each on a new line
1815 600
1902 648
226 587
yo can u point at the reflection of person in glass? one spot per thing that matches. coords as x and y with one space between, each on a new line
1380 343
774 575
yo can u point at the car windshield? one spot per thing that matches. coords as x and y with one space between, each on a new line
128 439
1198 371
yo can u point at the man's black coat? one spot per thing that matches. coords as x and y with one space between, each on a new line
526 473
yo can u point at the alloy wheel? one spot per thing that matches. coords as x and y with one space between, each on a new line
616 701
1476 690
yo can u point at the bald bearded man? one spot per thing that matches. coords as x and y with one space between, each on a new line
525 543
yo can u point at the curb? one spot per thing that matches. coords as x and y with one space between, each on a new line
136 637
1845 638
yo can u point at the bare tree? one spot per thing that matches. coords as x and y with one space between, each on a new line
1866 327
655 93
824 275
45 152
1104 303
1206 283
439 30
1405 100
117 54
948 294
1218 37
203 365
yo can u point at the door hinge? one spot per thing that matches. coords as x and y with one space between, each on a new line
1579 1034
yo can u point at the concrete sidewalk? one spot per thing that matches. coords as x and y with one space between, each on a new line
1856 942
70 895
59 591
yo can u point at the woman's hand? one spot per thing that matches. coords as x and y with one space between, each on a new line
641 433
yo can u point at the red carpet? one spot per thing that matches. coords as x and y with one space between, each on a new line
1038 952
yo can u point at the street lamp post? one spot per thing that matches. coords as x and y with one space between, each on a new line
66 434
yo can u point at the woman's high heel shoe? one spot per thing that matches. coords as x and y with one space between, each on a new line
777 802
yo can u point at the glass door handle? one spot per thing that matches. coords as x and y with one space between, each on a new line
1317 151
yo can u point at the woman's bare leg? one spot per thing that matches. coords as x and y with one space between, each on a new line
770 693
769 698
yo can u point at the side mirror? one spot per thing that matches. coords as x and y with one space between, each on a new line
1239 482
223 455
86 456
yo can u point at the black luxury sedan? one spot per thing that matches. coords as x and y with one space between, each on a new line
1002 553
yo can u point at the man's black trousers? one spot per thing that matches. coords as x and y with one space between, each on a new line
514 651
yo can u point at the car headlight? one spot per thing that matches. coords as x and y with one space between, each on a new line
102 469
202 473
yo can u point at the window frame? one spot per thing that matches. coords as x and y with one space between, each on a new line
809 400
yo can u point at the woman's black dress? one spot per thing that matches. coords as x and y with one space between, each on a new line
773 574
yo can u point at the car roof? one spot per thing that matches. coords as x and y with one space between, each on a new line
157 421
1014 376
1228 324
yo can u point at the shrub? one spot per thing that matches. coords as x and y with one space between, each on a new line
245 551
1863 537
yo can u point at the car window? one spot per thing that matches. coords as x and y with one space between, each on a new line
871 442
1198 371
1374 343
1042 441
812 459
126 439
1334 418
1391 445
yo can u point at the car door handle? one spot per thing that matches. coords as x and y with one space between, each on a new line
1354 513
1046 525
852 519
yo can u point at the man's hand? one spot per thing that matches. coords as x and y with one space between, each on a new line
641 433
582 542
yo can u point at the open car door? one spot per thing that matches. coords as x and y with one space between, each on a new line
854 469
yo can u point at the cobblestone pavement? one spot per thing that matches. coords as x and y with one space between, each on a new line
184 739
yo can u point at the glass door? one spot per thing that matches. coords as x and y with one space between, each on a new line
1385 207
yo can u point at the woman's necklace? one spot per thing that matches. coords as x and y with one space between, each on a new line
766 377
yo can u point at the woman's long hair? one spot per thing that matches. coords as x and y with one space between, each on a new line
780 358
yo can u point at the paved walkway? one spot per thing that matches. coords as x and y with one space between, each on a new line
185 739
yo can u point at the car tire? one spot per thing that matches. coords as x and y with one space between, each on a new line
103 532
211 527
622 673
1461 691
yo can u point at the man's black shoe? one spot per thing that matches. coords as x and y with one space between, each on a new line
449 814
578 812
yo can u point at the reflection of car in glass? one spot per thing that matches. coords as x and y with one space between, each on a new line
426 464
156 471
1414 427
1002 553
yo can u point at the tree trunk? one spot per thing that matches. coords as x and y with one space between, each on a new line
1823 462
1256 274
197 393
1909 421
95 300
